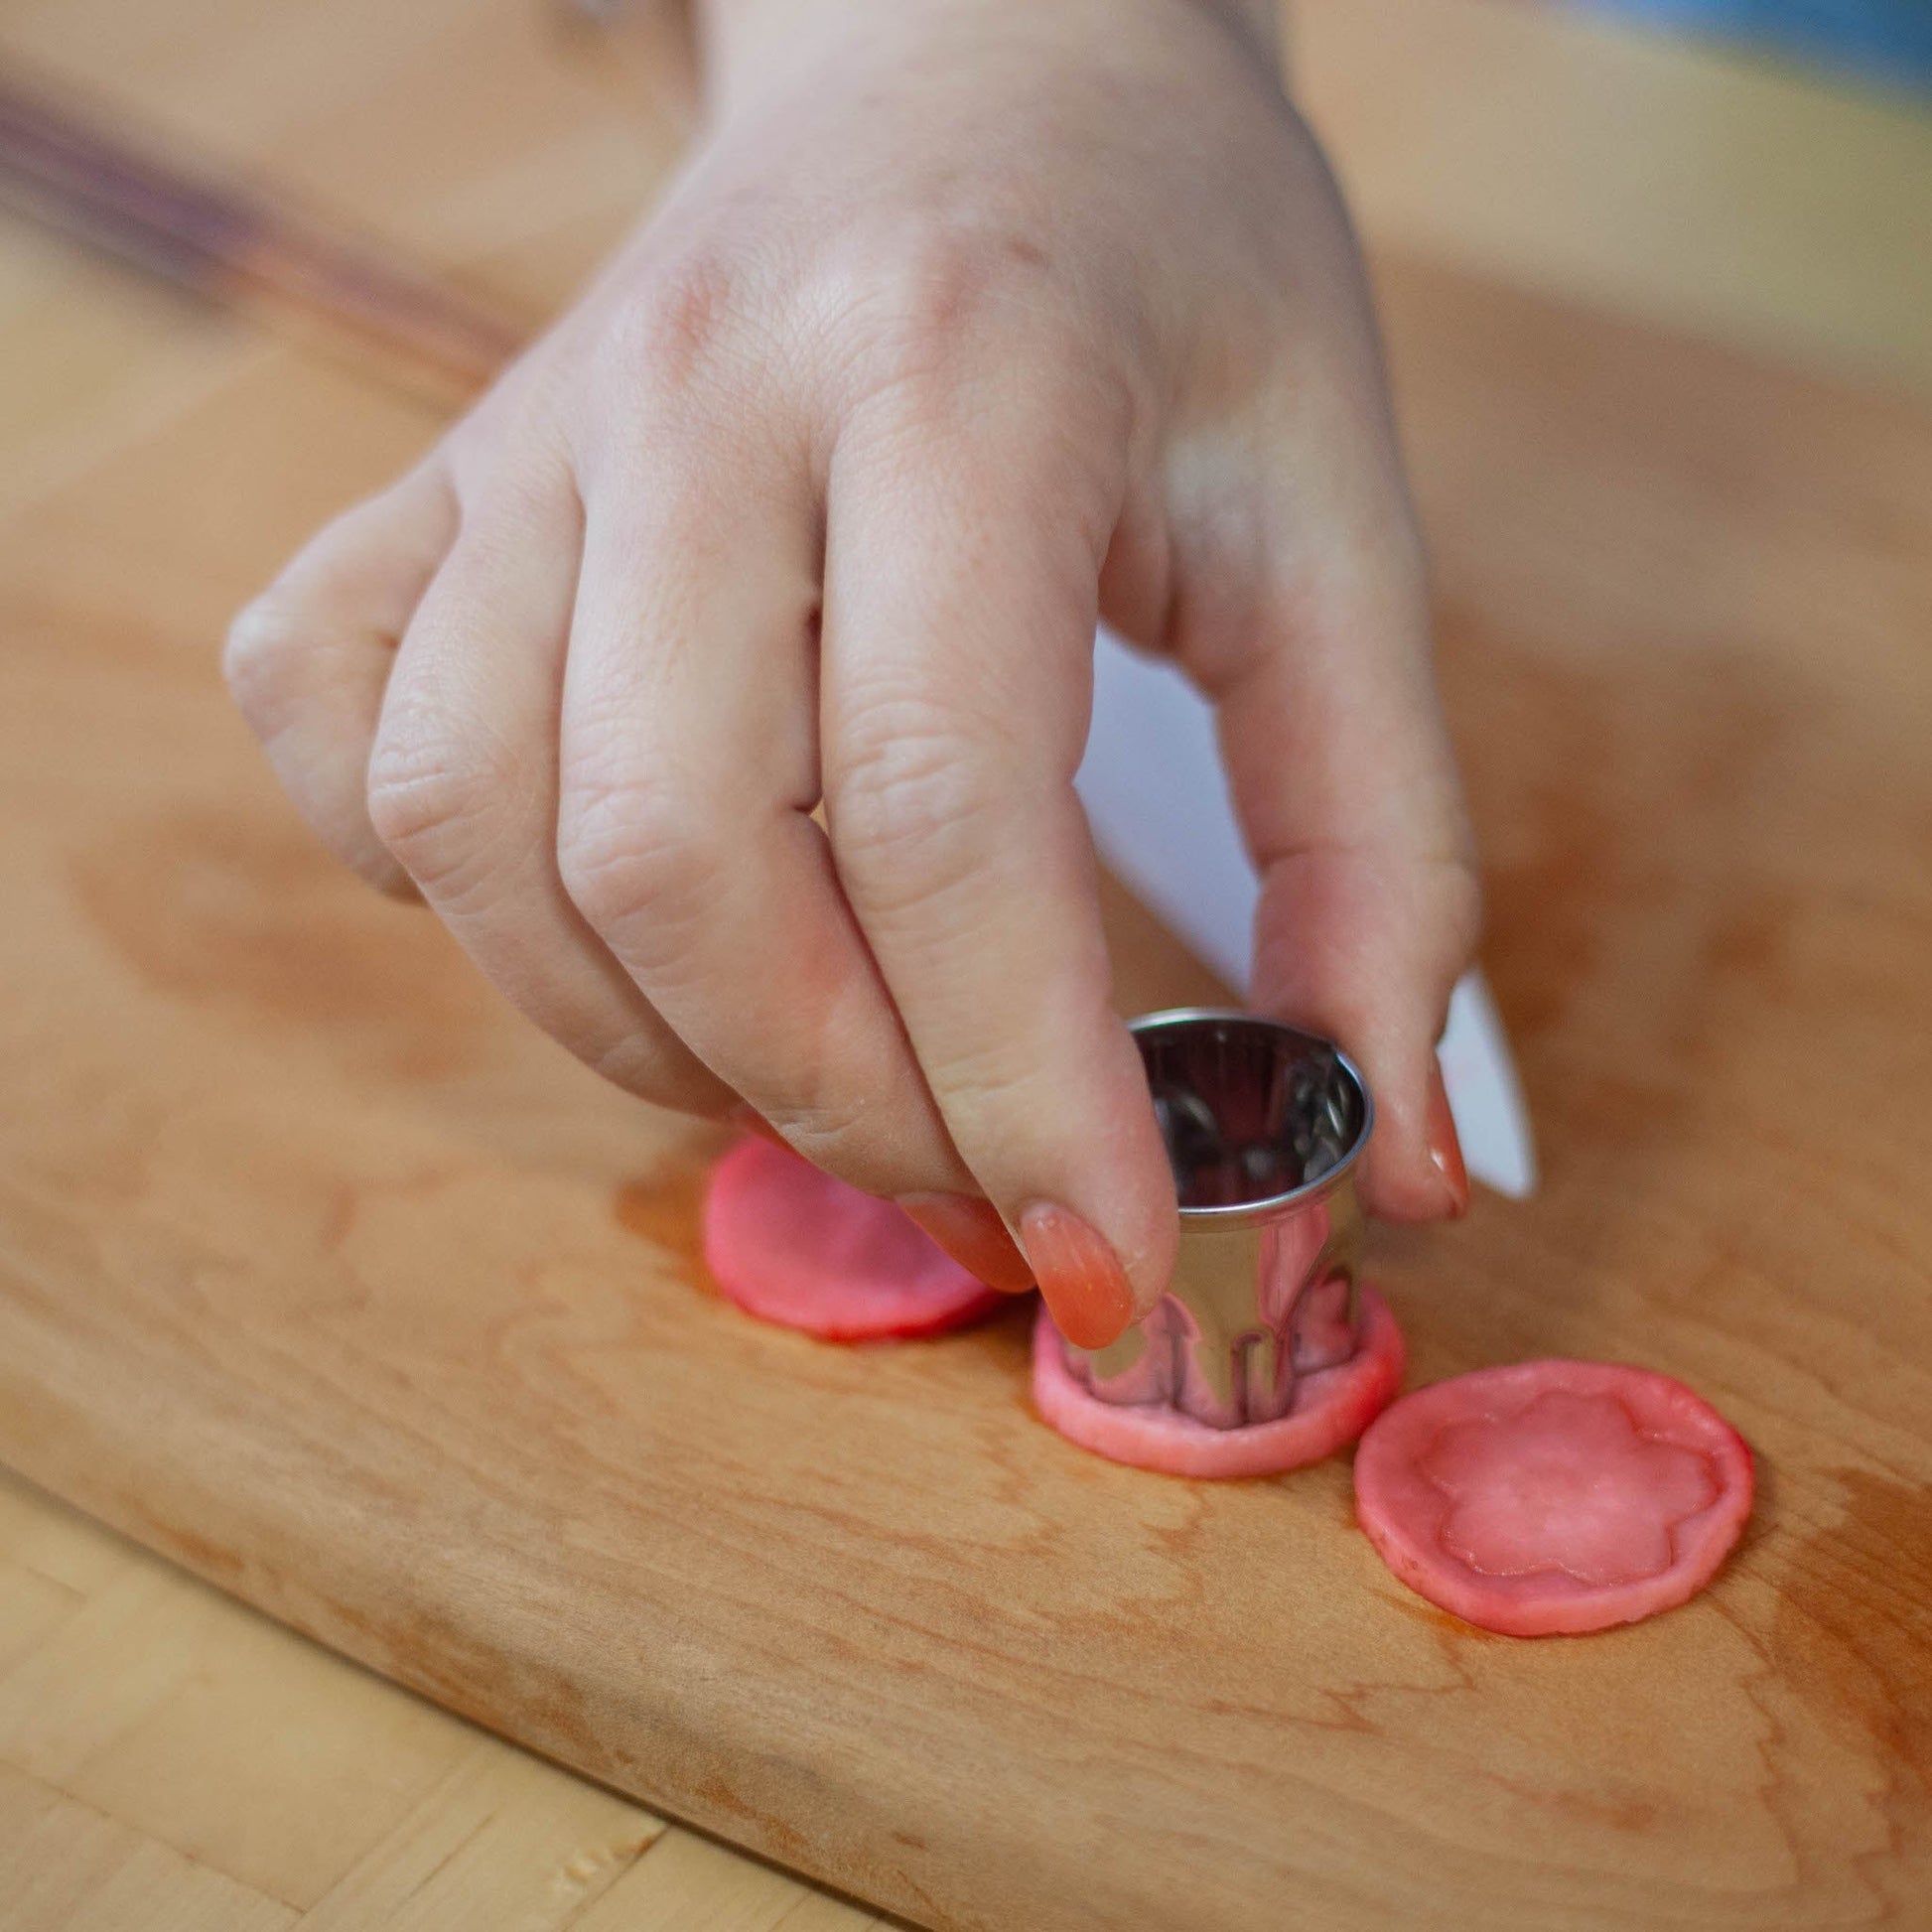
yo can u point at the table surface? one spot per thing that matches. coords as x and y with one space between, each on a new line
167 1756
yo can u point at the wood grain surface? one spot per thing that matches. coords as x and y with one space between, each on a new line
322 1276
174 1762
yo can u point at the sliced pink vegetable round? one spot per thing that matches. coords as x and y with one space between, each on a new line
790 1244
1331 1408
1554 1496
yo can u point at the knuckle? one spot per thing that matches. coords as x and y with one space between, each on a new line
931 302
854 1135
989 1085
262 643
682 363
909 800
684 318
634 856
828 1130
437 799
941 279
925 303
641 1062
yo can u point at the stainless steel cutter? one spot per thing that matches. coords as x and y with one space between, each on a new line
1263 1125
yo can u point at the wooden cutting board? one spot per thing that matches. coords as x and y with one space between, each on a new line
322 1274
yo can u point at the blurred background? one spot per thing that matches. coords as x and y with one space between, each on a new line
1888 41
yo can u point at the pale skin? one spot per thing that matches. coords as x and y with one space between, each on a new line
968 322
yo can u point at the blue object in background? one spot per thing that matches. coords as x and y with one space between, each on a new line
1883 40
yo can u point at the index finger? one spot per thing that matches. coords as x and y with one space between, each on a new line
963 552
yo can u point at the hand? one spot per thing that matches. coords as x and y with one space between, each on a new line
969 322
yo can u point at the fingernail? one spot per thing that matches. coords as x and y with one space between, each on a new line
972 1232
1445 1147
1080 1275
747 1119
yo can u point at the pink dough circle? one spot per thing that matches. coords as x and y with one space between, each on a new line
1331 1408
793 1246
1552 1496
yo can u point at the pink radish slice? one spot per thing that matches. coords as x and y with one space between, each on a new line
1554 1495
791 1245
1331 1408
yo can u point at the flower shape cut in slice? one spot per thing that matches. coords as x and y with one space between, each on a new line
1568 1483
1554 1495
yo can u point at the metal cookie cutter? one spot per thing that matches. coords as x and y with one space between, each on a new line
1264 1126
